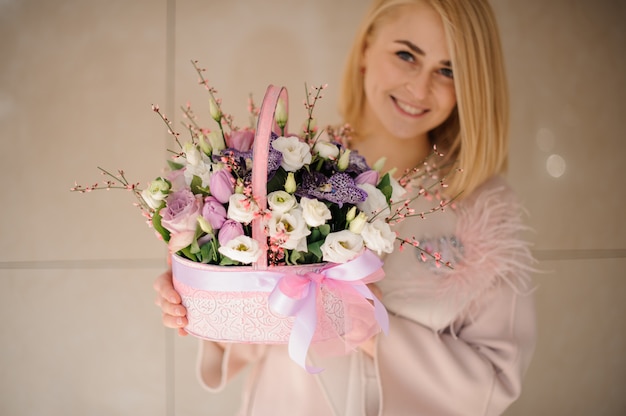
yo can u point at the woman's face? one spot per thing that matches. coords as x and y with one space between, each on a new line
408 78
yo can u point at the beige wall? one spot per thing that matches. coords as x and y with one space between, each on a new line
80 333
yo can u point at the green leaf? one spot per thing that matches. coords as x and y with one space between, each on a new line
156 223
296 256
277 183
315 235
186 252
174 165
227 261
316 251
385 187
196 186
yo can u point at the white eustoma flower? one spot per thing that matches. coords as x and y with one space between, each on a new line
291 228
397 191
378 237
281 201
156 192
198 164
192 154
295 152
315 212
242 249
375 204
241 208
341 247
326 150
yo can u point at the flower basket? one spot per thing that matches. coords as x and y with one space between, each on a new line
273 235
299 305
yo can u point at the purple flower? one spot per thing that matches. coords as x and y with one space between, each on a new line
240 140
181 211
357 164
339 188
369 176
214 212
179 216
222 185
230 229
274 158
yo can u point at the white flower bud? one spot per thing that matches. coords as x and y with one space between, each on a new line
326 150
205 146
217 141
358 224
280 116
214 109
204 225
290 183
351 214
378 165
344 160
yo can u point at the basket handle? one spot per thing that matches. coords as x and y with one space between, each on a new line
260 153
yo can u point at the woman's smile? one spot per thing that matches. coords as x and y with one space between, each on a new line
409 109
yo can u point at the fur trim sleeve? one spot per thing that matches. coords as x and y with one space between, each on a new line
489 228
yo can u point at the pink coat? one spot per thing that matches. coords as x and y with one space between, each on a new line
459 343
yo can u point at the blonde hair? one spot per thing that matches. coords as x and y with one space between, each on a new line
476 133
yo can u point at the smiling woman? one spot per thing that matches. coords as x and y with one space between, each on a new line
421 73
407 92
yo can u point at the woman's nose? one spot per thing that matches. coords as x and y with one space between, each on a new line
419 85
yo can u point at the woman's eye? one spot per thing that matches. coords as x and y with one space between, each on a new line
447 72
405 56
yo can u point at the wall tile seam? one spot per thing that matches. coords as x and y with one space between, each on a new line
578 254
92 264
159 263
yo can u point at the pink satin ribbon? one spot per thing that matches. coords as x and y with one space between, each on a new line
296 295
291 293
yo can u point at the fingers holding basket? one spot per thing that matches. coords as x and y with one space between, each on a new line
174 313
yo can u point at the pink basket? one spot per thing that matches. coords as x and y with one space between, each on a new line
232 305
239 303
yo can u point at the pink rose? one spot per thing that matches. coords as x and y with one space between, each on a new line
214 212
230 229
240 140
177 179
369 176
180 216
222 185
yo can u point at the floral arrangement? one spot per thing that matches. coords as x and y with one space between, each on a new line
303 204
324 202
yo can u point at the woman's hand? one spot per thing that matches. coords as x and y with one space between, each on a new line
369 346
174 313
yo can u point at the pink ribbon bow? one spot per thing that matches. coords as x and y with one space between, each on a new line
296 295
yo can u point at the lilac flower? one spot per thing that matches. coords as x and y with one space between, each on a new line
274 159
222 185
230 230
339 188
214 212
369 176
357 164
240 140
